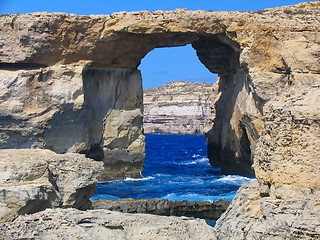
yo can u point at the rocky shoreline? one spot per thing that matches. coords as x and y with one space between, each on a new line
204 210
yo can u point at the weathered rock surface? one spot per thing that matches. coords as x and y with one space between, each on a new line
32 180
204 210
289 148
96 112
284 201
285 212
177 108
104 224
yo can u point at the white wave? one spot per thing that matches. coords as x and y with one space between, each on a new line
194 162
198 197
138 179
234 179
195 155
202 160
162 175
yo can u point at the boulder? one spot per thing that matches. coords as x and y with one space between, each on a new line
284 212
32 180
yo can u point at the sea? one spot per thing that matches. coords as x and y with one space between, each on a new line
176 168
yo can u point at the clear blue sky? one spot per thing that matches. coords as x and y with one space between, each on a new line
160 65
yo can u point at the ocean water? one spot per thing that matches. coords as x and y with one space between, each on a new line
176 168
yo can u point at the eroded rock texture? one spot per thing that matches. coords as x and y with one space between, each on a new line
203 210
283 212
104 224
177 108
64 108
32 180
284 202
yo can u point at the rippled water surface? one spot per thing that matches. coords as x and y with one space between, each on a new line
176 168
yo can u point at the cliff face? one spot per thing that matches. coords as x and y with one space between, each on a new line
177 108
70 84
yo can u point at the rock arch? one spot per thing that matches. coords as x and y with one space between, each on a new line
67 64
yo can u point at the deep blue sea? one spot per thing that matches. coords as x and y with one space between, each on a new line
176 168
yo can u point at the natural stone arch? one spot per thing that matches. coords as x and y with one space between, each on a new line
106 62
42 61
47 56
226 141
229 146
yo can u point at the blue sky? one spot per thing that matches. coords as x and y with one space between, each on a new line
160 65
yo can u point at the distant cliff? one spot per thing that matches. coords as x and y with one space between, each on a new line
177 107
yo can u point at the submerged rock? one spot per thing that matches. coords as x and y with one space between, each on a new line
32 180
104 224
204 210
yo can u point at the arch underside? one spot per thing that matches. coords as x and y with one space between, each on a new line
232 134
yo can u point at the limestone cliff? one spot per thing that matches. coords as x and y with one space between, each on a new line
284 202
64 108
177 108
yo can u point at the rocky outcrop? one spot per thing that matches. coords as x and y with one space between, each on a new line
32 180
289 147
75 109
283 212
284 201
204 210
177 108
103 224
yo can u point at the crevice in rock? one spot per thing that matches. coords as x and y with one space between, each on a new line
53 179
21 66
34 206
95 152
